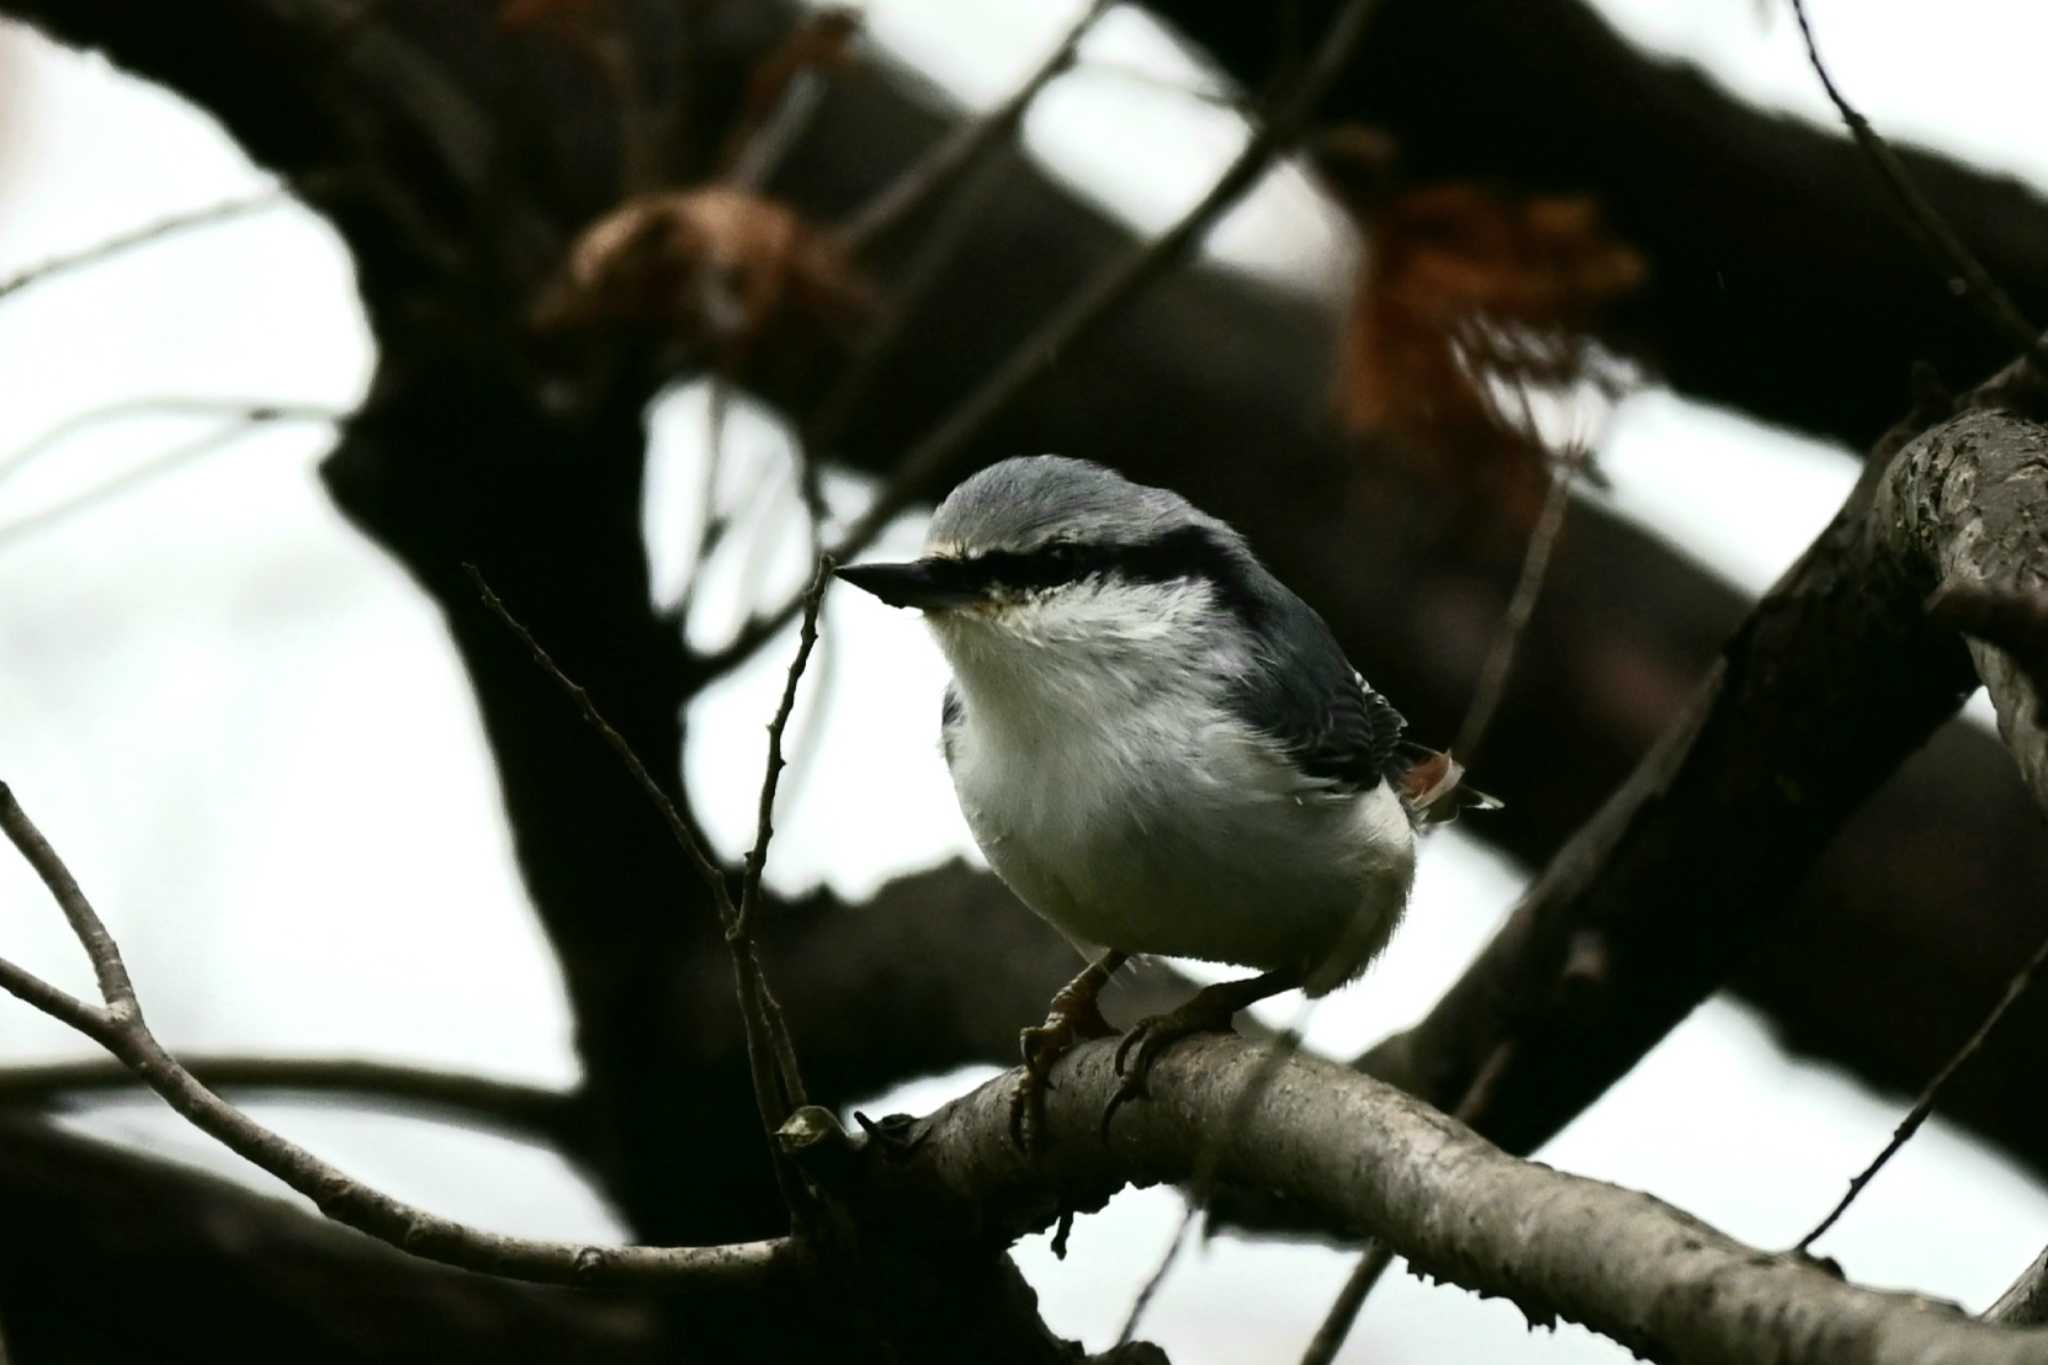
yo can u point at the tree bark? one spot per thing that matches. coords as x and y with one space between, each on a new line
1373 1159
1837 675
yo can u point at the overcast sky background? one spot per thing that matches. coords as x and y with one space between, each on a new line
249 736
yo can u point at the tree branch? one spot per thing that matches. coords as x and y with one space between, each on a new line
142 236
1376 1161
1837 676
771 1060
211 1273
552 1116
119 1027
1924 1105
1957 265
2026 1303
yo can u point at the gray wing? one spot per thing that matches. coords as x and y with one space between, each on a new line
1347 734
1306 695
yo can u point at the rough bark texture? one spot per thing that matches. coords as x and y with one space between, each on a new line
1373 1159
1835 677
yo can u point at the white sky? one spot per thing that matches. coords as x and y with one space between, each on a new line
247 733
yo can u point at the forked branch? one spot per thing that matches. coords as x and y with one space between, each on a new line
117 1025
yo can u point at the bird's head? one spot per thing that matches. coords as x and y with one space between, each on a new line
1042 551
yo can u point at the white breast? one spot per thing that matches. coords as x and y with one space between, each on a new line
1115 793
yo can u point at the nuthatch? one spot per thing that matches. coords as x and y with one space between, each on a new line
1158 746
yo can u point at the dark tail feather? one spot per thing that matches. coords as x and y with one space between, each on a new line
1434 791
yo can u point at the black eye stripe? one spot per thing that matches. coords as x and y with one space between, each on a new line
1190 552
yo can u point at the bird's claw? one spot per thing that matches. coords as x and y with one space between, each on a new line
1070 1022
1148 1039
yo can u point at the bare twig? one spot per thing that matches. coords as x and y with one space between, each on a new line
777 1082
2026 1303
118 1026
764 151
934 454
1965 274
1924 1106
1514 623
522 1110
964 153
685 837
142 236
1336 1324
739 934
882 339
239 409
964 146
14 532
1167 1260
771 777
711 524
1279 1050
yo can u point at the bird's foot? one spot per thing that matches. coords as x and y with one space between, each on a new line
1073 1018
1210 1011
1067 1025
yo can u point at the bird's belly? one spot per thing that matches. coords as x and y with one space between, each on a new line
1268 882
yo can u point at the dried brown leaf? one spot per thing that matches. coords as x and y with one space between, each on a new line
1468 301
715 267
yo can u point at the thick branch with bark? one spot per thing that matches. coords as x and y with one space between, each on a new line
1370 1158
113 1256
1837 676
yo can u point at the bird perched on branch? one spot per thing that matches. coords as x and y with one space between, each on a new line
1159 748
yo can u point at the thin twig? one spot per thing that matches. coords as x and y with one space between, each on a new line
1924 1106
1964 273
142 236
740 933
934 455
240 409
966 152
771 776
1167 1260
1514 623
1336 1324
14 532
119 1028
771 1057
919 277
686 838
964 146
1203 1187
117 992
711 524
521 1110
770 143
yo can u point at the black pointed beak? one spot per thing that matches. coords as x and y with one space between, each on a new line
926 584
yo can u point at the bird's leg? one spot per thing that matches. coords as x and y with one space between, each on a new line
1209 1011
1073 1017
